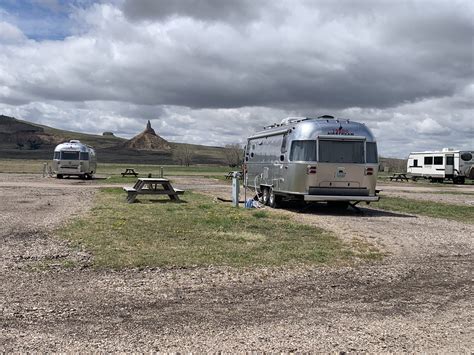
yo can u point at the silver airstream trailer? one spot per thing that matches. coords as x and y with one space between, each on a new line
74 159
313 159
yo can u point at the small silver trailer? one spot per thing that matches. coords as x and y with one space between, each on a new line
313 159
74 159
440 165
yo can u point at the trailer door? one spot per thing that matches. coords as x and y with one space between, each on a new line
449 168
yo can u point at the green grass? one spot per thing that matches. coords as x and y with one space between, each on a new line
459 213
199 232
21 166
114 169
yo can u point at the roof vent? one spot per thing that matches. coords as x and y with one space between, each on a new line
326 117
290 120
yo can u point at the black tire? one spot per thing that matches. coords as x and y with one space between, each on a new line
459 180
274 201
59 176
265 195
338 205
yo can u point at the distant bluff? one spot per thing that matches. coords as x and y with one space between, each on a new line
148 140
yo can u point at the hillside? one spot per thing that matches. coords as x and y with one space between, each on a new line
25 140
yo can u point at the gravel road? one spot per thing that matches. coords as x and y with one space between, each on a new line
419 298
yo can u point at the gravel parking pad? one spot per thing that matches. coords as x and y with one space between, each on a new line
419 298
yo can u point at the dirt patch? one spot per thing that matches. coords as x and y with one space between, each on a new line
418 299
458 195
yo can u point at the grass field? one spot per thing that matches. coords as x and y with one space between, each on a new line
200 232
459 213
114 169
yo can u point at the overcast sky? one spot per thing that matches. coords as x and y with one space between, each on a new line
214 71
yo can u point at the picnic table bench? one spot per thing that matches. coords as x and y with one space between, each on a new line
129 171
399 177
152 186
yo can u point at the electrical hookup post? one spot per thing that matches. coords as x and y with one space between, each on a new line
235 189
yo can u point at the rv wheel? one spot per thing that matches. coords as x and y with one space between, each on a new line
274 200
459 180
59 176
265 195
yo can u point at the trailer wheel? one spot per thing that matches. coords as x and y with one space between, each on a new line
265 195
274 200
59 176
459 180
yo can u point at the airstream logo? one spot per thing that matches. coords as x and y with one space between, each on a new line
341 132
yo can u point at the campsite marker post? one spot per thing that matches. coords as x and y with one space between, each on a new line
235 189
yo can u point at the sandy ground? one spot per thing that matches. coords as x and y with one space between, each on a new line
419 298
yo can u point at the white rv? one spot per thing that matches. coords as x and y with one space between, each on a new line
437 166
74 159
313 159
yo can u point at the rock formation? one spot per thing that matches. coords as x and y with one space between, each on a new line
148 140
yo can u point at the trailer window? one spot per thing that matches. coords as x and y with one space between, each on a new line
449 160
371 152
303 151
466 156
70 155
84 156
283 143
428 161
415 163
57 155
438 160
341 151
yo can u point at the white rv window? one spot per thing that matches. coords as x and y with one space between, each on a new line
371 152
84 156
70 155
428 160
438 160
57 155
341 151
303 151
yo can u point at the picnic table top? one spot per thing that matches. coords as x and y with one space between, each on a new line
153 179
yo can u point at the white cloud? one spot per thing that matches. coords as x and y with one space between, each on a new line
10 34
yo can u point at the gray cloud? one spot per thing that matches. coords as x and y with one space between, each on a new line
206 10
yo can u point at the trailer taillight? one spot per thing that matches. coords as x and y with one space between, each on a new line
311 170
369 171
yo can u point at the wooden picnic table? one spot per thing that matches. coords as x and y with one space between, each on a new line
129 171
399 177
152 186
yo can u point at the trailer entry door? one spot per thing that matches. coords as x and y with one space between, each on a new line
449 169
